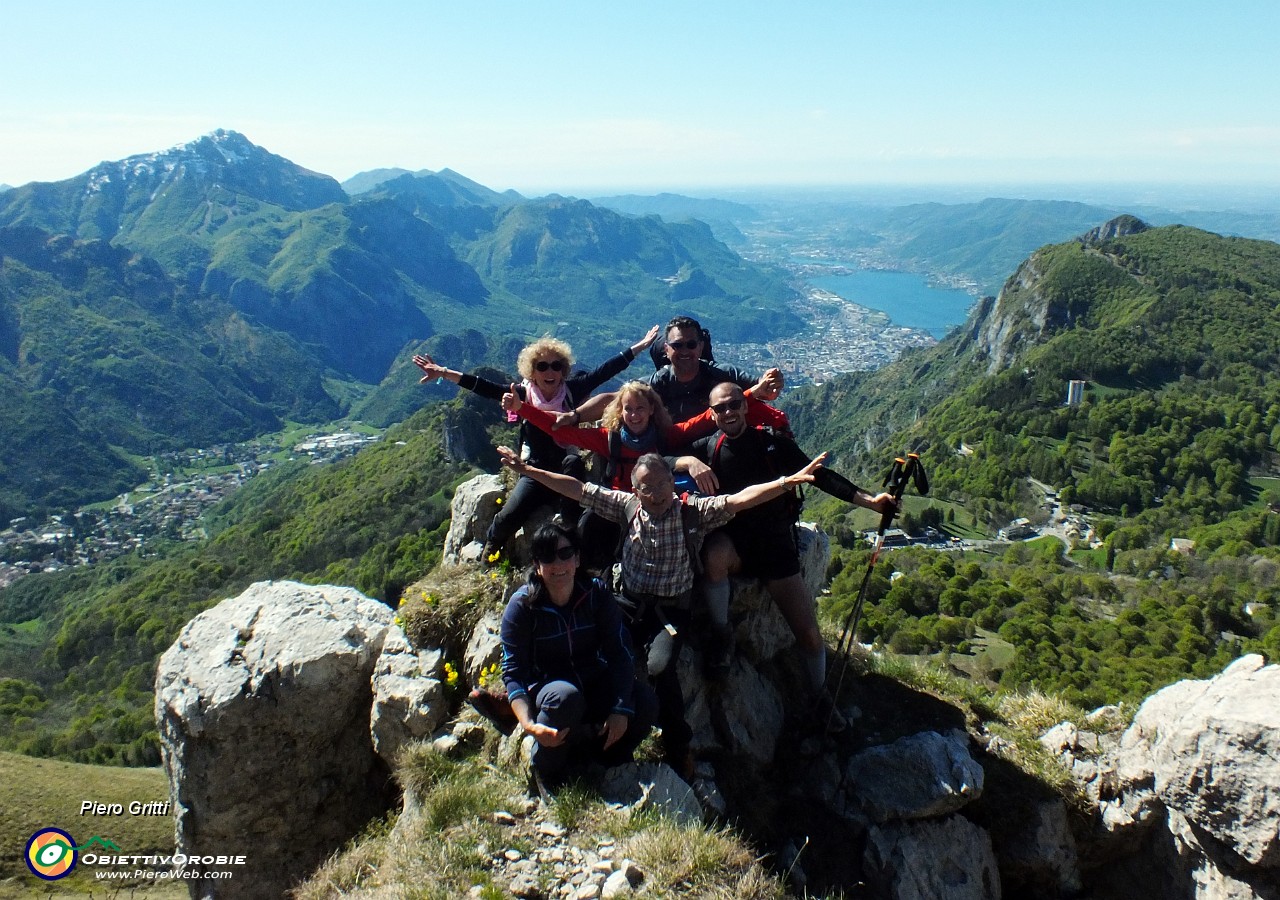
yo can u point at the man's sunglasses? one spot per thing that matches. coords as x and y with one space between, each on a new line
562 553
684 345
555 366
726 406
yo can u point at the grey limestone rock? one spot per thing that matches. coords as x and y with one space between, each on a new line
475 502
918 776
262 704
408 695
930 859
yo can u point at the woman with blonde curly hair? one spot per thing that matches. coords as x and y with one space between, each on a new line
546 385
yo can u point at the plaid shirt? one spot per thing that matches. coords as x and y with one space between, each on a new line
655 556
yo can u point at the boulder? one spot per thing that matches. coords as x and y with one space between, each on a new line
1211 750
915 777
475 503
929 859
1215 754
484 648
651 786
408 695
743 716
262 704
1192 794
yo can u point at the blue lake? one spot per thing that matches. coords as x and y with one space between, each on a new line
908 298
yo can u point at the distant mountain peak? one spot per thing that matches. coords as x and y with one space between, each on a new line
224 158
1120 226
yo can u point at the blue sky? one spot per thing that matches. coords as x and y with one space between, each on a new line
599 96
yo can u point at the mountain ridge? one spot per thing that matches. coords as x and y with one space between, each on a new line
348 289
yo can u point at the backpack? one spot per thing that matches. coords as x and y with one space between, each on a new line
794 497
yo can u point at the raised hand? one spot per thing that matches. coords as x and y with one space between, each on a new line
806 474
511 401
428 365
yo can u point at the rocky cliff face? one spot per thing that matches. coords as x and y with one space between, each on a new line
1187 801
1025 314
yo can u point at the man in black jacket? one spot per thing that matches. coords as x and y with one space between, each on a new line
686 381
760 543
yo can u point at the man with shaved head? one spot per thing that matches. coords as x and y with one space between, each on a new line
761 542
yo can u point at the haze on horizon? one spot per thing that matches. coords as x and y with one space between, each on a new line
580 97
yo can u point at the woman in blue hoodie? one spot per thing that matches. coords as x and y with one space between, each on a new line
568 667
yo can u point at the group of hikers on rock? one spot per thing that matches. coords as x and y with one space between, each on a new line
698 482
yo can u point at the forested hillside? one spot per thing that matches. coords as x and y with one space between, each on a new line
1177 334
78 648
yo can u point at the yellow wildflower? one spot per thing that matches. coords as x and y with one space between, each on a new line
498 501
493 557
450 675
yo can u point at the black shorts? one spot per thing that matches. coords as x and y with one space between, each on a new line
768 552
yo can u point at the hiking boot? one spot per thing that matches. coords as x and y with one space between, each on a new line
497 709
717 652
538 788
826 714
682 763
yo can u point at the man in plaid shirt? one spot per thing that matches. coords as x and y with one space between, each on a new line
659 557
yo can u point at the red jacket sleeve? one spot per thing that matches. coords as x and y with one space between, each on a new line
761 413
596 439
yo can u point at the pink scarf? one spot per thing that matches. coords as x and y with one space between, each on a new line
559 401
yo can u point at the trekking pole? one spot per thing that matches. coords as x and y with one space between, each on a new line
902 472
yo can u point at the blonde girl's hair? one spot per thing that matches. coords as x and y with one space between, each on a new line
544 346
612 416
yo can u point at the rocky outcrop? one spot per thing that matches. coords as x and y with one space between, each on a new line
1019 318
280 709
922 776
1189 799
1120 226
931 859
475 503
263 704
1025 313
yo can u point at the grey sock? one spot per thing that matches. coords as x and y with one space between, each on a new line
717 595
817 666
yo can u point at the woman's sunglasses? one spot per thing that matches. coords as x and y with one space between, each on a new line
562 553
556 366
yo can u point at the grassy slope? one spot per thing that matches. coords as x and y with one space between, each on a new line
43 793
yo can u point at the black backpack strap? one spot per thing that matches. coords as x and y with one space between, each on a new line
693 536
615 458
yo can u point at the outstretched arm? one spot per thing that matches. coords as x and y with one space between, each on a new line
835 484
434 371
474 383
755 494
561 484
644 342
